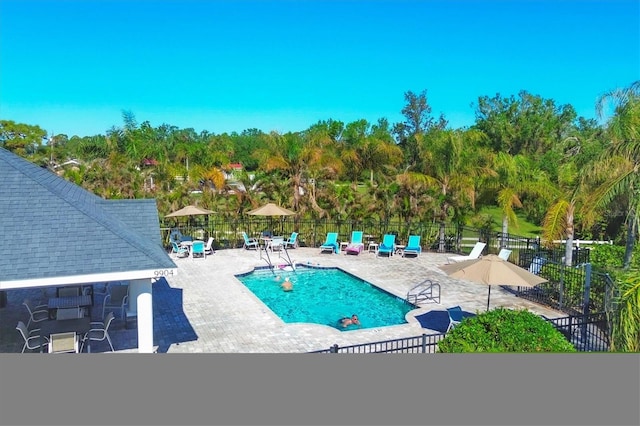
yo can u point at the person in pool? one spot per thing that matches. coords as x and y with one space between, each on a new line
287 285
346 321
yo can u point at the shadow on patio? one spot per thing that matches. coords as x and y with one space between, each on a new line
170 324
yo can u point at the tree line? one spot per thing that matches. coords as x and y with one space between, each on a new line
524 153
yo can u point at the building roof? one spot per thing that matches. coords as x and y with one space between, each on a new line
55 232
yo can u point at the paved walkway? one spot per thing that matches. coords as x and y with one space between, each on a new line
205 309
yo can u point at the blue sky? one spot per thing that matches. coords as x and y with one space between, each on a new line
73 66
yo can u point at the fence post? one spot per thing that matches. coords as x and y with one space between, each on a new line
561 286
585 310
424 343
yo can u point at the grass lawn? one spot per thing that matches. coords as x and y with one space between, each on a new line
525 228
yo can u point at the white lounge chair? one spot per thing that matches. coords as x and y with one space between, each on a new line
504 254
475 253
536 265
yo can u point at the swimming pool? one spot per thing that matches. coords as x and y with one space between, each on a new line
324 295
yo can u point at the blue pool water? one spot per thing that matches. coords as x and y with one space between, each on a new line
324 295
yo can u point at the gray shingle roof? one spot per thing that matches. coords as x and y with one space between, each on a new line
52 227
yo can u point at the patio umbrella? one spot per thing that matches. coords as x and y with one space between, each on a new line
492 270
438 320
270 209
190 211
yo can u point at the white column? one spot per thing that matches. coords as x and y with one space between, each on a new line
141 306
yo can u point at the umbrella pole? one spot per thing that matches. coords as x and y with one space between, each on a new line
488 298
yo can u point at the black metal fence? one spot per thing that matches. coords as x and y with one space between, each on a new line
566 289
226 233
435 236
425 344
587 333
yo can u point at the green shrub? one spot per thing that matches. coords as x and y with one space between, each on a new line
610 258
606 257
505 330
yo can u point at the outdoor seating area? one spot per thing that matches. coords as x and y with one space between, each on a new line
204 315
66 323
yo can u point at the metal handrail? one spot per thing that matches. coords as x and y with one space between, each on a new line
425 294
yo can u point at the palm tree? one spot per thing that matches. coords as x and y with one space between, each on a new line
621 160
453 162
625 330
558 222
514 177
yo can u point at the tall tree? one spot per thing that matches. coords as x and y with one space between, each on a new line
418 120
621 160
453 164
527 124
514 177
19 138
570 191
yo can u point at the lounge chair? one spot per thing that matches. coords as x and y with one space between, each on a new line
475 253
504 254
388 245
179 251
536 265
331 243
208 249
197 250
355 246
413 246
250 243
455 316
292 242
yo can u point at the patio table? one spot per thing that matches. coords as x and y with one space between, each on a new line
79 325
70 302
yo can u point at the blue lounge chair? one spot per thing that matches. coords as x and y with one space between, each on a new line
455 316
292 241
388 245
331 243
250 243
356 245
179 251
413 246
197 250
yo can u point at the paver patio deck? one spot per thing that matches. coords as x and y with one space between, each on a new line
205 309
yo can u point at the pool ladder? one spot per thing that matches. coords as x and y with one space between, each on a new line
287 259
425 291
